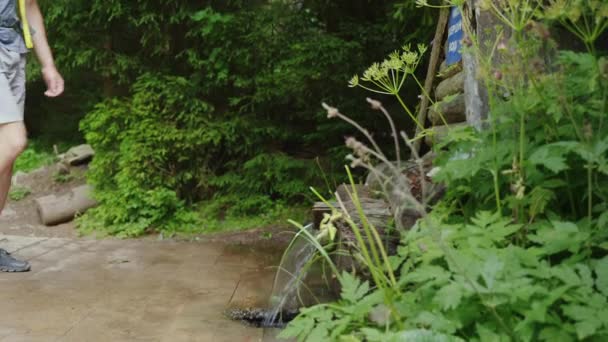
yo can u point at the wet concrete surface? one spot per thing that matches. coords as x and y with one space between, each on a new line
117 290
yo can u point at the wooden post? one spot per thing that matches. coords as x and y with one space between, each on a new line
432 70
475 91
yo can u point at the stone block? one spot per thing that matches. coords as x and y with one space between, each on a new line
438 134
452 108
79 155
450 86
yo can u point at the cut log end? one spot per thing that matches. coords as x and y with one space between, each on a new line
54 210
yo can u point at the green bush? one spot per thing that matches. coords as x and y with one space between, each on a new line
153 150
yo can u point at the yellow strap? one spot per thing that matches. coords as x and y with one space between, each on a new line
27 35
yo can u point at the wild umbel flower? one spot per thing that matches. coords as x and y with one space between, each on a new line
389 76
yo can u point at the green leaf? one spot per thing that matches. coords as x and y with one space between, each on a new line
352 288
298 328
559 237
539 199
601 271
425 336
373 335
426 273
489 335
555 334
491 268
550 156
587 319
449 297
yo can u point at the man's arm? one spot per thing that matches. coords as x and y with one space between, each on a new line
52 78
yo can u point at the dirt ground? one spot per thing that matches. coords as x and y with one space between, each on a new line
21 217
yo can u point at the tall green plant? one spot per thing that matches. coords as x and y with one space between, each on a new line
517 250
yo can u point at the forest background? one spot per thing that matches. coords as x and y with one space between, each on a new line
205 114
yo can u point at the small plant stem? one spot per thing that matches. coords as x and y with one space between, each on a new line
570 195
522 151
356 201
412 116
496 190
495 148
362 130
395 135
590 191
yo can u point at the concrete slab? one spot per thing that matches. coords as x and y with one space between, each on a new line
15 243
253 291
115 290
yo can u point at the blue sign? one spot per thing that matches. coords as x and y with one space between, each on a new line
455 35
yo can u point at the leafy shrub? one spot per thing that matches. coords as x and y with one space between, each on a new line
153 151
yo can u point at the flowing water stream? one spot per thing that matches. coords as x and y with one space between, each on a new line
299 282
287 288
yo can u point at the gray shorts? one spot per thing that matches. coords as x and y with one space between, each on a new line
12 85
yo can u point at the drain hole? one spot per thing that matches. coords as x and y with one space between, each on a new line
258 317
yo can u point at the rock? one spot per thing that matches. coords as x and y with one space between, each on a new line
18 178
63 168
79 155
446 71
450 86
439 133
54 210
452 108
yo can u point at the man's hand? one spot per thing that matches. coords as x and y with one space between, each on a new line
53 80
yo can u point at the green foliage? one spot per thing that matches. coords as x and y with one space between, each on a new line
18 193
61 177
517 249
33 158
152 151
182 110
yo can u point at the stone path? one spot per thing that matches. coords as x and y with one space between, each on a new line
114 290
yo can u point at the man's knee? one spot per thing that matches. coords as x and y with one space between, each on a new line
18 144
13 140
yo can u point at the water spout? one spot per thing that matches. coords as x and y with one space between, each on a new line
290 276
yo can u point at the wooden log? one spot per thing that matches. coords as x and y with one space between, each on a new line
345 191
450 86
55 210
452 109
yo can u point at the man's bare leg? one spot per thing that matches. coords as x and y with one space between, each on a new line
13 139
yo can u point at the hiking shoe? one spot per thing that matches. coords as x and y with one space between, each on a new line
10 264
